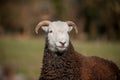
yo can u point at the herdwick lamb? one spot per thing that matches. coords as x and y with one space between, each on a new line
62 62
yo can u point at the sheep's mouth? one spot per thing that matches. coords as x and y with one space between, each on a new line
62 47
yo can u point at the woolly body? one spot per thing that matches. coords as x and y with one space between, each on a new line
71 65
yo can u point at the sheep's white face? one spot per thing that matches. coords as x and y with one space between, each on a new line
58 35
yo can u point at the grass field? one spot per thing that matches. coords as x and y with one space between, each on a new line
27 54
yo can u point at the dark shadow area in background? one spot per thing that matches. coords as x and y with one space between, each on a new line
95 19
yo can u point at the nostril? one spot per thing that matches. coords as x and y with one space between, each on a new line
63 43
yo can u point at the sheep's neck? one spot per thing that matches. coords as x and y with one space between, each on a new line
65 64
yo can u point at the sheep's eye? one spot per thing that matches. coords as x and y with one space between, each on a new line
68 32
50 31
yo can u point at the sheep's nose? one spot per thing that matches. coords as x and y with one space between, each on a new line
62 43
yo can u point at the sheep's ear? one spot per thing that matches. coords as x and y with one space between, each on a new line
45 28
70 28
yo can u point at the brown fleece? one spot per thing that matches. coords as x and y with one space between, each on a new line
70 65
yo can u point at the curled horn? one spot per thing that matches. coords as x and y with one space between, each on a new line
42 23
71 23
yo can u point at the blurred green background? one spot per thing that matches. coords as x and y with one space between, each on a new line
98 23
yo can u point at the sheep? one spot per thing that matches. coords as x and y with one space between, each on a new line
62 62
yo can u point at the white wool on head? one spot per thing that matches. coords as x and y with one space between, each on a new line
58 35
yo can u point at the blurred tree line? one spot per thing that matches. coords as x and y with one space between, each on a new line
96 19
